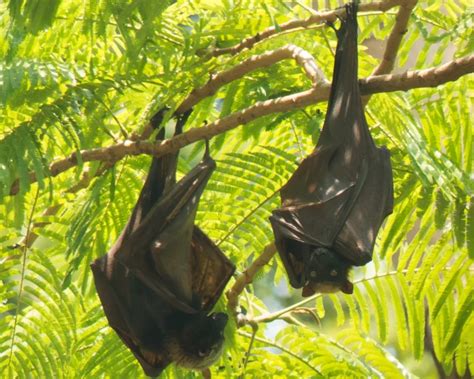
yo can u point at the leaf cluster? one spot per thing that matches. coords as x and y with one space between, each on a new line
77 75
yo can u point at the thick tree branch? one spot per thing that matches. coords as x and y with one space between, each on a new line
395 38
431 77
301 56
374 84
246 277
316 18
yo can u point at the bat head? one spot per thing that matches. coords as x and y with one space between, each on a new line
326 272
198 341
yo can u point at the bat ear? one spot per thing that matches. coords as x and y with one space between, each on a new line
347 287
308 291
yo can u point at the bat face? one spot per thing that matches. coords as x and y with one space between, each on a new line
321 270
336 200
326 272
197 343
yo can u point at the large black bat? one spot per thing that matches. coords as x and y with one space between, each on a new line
160 280
334 204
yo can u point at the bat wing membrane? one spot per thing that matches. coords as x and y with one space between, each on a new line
339 195
313 190
211 270
356 239
159 251
116 297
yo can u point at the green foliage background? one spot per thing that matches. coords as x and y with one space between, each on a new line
82 74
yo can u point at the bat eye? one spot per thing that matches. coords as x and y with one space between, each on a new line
333 273
313 274
320 251
203 353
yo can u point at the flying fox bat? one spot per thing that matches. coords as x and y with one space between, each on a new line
160 280
335 202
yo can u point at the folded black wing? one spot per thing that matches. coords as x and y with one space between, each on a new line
162 263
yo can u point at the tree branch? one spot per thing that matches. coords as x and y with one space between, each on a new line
431 77
395 38
315 18
301 56
246 277
374 84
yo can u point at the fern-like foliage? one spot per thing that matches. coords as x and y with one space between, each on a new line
77 75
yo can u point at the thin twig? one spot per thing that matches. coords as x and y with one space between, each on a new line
315 18
269 317
308 311
394 41
246 277
249 350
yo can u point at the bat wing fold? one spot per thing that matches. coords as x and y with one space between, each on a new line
311 223
160 251
356 239
115 295
211 270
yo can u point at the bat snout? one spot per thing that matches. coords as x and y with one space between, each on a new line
347 287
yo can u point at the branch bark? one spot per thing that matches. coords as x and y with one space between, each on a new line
301 56
246 277
431 77
395 38
316 18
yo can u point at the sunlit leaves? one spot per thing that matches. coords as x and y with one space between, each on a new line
84 74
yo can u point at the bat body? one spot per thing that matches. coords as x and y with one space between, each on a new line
335 202
160 280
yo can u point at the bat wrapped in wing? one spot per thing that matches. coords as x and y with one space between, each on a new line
160 280
335 202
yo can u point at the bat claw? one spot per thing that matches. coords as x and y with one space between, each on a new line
158 117
207 153
331 25
181 121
